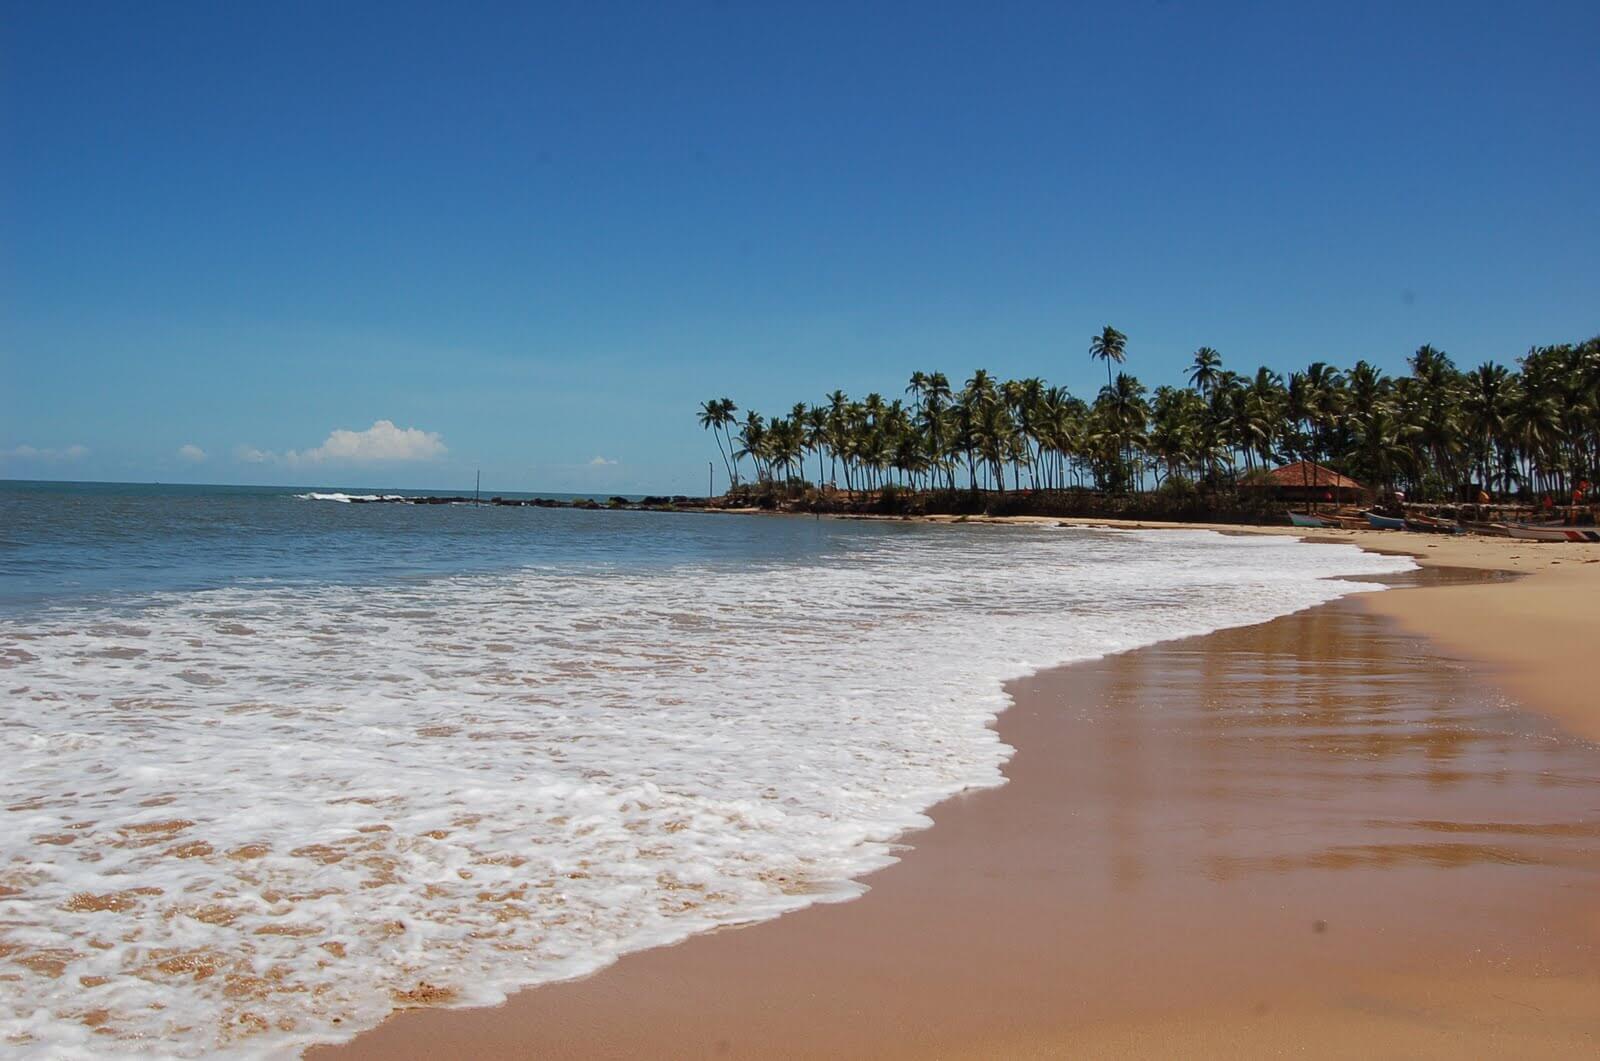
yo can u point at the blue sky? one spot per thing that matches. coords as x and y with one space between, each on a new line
533 238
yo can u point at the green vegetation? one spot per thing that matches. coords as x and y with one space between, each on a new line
1431 432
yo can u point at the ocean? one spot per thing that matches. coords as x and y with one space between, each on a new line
277 765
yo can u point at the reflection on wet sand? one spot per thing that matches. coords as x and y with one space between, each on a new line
1314 835
1324 741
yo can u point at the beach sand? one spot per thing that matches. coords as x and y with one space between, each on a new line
1321 835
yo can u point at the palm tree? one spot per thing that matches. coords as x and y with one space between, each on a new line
1110 345
1381 447
817 435
1429 404
1225 425
1174 430
1535 426
716 416
753 442
917 388
1325 398
1124 412
1261 413
1207 364
787 442
1487 402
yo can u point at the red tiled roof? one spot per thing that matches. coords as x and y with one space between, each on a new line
1303 474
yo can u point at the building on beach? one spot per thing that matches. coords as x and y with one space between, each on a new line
1305 481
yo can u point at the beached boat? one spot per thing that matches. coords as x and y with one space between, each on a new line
1473 526
1553 534
1377 522
1431 525
1305 519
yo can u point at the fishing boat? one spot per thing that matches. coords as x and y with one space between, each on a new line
1553 534
1306 519
1377 522
1429 525
1472 526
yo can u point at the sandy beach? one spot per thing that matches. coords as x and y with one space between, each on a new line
1339 831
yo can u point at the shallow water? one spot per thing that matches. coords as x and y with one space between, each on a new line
283 764
1316 835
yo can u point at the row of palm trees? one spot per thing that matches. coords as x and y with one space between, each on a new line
1532 430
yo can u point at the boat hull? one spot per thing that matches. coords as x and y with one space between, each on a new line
1302 519
1377 522
1495 530
1555 534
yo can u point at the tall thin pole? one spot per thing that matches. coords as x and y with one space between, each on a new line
711 480
477 485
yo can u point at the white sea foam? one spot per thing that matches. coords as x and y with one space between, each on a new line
347 498
240 821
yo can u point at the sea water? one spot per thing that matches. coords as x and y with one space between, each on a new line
276 765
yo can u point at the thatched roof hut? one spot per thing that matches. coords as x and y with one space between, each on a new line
1306 481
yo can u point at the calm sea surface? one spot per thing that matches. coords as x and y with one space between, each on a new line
64 541
276 764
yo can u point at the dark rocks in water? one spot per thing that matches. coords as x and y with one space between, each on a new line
655 502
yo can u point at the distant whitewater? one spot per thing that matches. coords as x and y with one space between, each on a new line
348 498
245 818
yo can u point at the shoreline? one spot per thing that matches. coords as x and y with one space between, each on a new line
1553 614
1155 881
1533 634
638 991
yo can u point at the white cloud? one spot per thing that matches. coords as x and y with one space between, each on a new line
601 462
191 452
381 442
26 452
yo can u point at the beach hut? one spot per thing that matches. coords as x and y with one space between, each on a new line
1305 482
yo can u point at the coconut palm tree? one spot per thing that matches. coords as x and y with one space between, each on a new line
1260 420
1382 451
917 388
1124 412
753 442
1207 366
1110 345
1487 401
716 416
817 435
1174 430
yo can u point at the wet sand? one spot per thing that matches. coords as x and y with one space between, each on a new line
1535 634
1321 835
